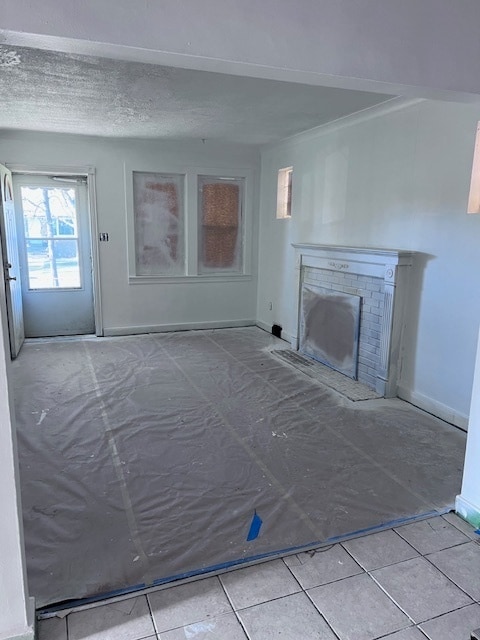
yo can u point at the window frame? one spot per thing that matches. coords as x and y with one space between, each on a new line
191 222
181 215
284 190
201 181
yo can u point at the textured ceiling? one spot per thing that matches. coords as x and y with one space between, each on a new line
58 92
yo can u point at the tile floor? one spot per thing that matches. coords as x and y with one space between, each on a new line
420 580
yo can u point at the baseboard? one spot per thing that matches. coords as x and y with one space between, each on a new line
181 326
434 407
29 633
268 328
468 511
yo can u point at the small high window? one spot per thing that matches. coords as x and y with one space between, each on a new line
474 195
284 193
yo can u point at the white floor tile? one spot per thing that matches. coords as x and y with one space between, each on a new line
432 535
462 565
379 549
260 583
420 589
52 629
456 625
291 618
325 565
188 603
412 633
225 627
357 609
126 620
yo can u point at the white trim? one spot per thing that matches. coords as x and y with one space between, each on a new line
93 218
182 326
89 172
268 328
221 277
191 174
46 170
434 407
377 110
467 511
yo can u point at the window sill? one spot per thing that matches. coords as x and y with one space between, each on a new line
207 278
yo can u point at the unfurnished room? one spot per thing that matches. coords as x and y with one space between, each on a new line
239 374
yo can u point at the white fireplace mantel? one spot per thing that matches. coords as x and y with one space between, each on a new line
391 268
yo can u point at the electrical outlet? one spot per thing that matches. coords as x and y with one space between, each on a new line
103 237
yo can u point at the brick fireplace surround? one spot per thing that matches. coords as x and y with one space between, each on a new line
380 277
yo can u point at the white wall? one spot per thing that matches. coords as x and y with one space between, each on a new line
468 502
16 609
138 307
406 47
397 179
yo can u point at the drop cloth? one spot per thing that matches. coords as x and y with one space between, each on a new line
146 458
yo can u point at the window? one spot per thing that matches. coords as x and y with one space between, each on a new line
220 229
284 193
51 237
187 224
474 195
159 224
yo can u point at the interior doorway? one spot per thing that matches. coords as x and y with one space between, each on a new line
55 251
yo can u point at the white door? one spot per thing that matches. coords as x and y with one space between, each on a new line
11 265
55 254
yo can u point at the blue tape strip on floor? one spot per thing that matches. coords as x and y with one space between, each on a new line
254 527
52 609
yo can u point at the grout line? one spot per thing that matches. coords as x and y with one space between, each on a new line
151 615
235 612
447 613
391 597
451 546
450 579
471 535
434 617
310 599
321 614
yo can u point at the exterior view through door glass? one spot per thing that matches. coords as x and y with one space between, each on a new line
51 237
56 276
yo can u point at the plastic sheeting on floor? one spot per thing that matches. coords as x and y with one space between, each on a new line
148 457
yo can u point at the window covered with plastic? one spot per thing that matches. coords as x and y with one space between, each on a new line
159 224
220 224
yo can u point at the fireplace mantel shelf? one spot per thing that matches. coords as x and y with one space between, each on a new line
376 254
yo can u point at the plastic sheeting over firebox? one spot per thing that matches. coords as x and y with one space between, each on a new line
152 457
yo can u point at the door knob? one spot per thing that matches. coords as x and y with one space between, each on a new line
8 278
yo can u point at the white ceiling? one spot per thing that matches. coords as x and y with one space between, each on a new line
58 92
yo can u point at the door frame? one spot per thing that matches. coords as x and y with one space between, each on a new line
89 173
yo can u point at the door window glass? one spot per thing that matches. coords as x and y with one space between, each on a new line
51 237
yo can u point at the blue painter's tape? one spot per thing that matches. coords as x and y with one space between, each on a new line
477 531
212 569
254 527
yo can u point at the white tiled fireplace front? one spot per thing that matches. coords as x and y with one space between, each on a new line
380 278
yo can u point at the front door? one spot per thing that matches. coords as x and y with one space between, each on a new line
11 266
55 253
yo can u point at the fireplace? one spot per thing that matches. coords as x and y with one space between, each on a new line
351 309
